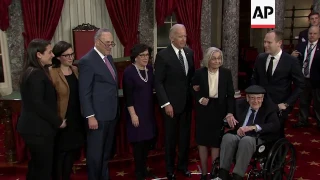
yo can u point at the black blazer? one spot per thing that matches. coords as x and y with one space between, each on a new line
39 106
171 82
225 87
266 118
287 71
98 89
303 34
315 66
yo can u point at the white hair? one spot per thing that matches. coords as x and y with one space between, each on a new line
208 56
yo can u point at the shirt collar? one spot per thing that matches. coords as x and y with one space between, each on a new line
176 50
100 54
314 43
277 56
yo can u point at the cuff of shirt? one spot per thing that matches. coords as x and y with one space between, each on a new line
200 100
258 128
90 116
166 104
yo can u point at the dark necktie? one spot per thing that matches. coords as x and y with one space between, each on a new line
307 61
251 123
182 61
269 70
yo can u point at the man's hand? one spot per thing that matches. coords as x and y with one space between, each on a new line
93 123
242 130
135 120
231 120
282 106
169 110
196 88
204 101
295 53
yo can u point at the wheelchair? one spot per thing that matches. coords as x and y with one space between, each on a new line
271 161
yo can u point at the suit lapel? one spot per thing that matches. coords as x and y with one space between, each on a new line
243 113
221 84
259 116
103 67
63 77
176 59
205 82
189 58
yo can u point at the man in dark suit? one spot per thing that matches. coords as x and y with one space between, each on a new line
174 69
276 70
309 56
314 21
98 91
253 115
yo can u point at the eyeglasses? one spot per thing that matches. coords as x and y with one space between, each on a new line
144 55
112 44
68 55
252 98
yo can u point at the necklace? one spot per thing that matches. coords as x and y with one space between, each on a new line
145 71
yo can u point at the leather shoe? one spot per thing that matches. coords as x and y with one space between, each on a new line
171 176
185 172
300 124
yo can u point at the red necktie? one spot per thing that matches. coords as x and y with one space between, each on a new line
107 62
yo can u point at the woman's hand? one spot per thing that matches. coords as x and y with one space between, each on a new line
64 124
196 88
135 120
204 101
231 120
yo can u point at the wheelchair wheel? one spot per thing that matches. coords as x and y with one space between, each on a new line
281 161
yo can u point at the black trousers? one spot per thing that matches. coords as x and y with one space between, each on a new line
99 148
140 154
41 151
305 101
181 122
63 163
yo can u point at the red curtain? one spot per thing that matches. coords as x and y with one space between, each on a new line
125 19
164 8
188 13
4 14
40 18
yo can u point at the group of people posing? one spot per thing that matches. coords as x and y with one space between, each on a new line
62 104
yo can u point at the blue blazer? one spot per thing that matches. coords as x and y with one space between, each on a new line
97 88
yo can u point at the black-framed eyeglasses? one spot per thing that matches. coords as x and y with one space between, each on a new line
144 55
112 44
68 55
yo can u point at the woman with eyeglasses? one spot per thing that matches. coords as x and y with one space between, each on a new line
138 94
68 141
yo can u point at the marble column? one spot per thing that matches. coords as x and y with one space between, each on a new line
230 37
15 42
280 14
146 23
206 25
316 6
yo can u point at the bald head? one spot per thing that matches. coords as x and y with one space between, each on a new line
313 33
178 35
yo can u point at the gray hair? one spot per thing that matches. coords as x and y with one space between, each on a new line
208 56
174 28
99 32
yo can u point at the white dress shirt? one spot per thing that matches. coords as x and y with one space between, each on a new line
275 61
314 46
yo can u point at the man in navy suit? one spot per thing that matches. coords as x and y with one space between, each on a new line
276 71
309 55
98 90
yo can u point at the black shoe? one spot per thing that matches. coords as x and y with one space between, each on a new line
203 177
236 177
301 124
215 169
171 176
224 174
185 172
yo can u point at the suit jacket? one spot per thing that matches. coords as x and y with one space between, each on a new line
171 82
303 35
98 89
62 88
266 118
225 87
39 105
315 66
279 89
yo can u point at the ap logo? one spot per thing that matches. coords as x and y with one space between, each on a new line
263 14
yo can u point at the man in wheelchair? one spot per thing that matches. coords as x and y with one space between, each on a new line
255 121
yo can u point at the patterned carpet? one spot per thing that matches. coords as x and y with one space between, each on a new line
305 140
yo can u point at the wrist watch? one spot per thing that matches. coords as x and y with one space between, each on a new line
254 127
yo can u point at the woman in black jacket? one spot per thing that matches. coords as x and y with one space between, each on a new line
39 120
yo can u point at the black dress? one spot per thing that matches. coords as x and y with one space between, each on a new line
72 137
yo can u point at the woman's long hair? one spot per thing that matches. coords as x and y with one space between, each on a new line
32 62
58 50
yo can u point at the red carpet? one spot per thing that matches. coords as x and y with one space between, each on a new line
306 142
